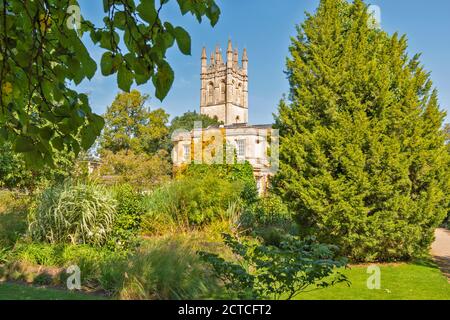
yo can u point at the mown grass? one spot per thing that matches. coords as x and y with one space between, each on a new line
414 281
12 291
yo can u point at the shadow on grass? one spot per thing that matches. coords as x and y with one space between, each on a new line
425 262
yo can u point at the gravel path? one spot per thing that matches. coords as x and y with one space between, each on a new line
440 250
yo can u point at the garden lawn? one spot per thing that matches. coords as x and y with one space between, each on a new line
10 291
415 281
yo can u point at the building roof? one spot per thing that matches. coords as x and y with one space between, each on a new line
243 126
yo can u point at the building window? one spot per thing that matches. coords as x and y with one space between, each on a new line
238 94
222 91
210 93
187 153
240 148
232 93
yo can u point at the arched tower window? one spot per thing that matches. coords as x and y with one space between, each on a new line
211 93
232 92
222 90
239 94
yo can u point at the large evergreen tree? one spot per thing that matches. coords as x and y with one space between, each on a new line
362 156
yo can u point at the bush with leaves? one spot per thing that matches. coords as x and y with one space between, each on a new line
240 172
142 171
128 217
73 213
268 218
190 201
13 217
283 272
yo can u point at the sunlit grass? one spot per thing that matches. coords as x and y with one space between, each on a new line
414 281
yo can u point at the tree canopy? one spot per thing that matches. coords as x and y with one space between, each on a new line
130 125
42 54
362 154
187 120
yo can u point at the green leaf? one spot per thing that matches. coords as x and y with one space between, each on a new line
24 144
96 36
107 64
109 42
89 66
163 80
147 11
46 133
124 78
183 40
58 143
185 6
213 13
142 78
106 5
120 20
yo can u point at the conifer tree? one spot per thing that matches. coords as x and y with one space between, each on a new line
362 154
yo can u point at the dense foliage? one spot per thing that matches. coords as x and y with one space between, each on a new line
277 272
188 119
127 220
191 201
142 171
15 174
268 218
13 218
42 55
241 172
131 126
362 157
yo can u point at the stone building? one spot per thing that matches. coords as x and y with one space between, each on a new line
224 94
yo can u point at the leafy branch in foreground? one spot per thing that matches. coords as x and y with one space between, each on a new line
42 54
283 272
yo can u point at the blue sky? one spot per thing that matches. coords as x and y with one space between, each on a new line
264 27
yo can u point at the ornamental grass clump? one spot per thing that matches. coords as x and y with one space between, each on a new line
73 213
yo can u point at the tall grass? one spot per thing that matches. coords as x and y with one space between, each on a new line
168 269
189 203
73 213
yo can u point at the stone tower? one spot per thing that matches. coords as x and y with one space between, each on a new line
224 86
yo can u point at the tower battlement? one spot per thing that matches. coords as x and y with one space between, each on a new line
224 86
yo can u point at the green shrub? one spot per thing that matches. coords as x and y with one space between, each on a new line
269 272
240 172
168 269
13 217
37 253
73 213
268 218
128 217
191 201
